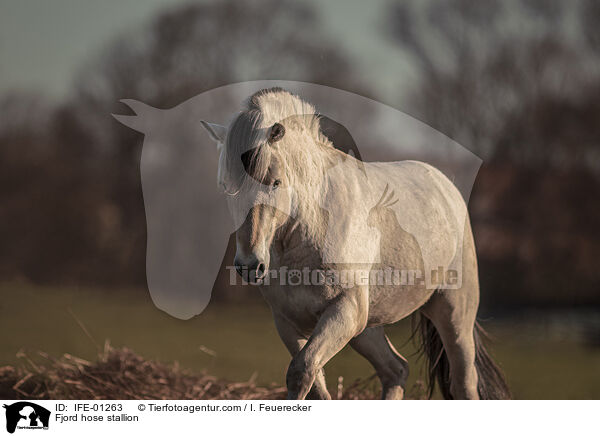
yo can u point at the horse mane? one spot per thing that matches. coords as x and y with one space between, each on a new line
300 151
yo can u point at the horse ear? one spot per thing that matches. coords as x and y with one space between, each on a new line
215 131
142 117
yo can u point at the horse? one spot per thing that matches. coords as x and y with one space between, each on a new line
301 204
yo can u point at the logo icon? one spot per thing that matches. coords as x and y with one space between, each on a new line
26 415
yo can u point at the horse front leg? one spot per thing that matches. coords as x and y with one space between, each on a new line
294 342
339 323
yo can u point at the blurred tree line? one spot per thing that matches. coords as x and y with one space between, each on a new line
516 82
72 209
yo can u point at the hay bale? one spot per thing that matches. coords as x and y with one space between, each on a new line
119 373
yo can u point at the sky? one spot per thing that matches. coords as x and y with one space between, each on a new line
43 43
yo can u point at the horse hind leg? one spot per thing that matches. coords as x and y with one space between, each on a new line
452 313
472 372
448 329
391 367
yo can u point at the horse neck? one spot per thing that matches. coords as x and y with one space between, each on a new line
310 227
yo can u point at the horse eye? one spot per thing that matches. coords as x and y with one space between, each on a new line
277 132
276 183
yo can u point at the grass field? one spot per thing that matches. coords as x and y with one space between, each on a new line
237 341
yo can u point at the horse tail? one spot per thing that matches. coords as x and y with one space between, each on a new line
431 347
491 383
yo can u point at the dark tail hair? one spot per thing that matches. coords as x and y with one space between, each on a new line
491 384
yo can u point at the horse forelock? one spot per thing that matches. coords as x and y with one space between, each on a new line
243 135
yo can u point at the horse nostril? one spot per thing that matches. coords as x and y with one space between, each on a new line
260 270
253 272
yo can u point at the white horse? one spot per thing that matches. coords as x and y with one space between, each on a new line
301 204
